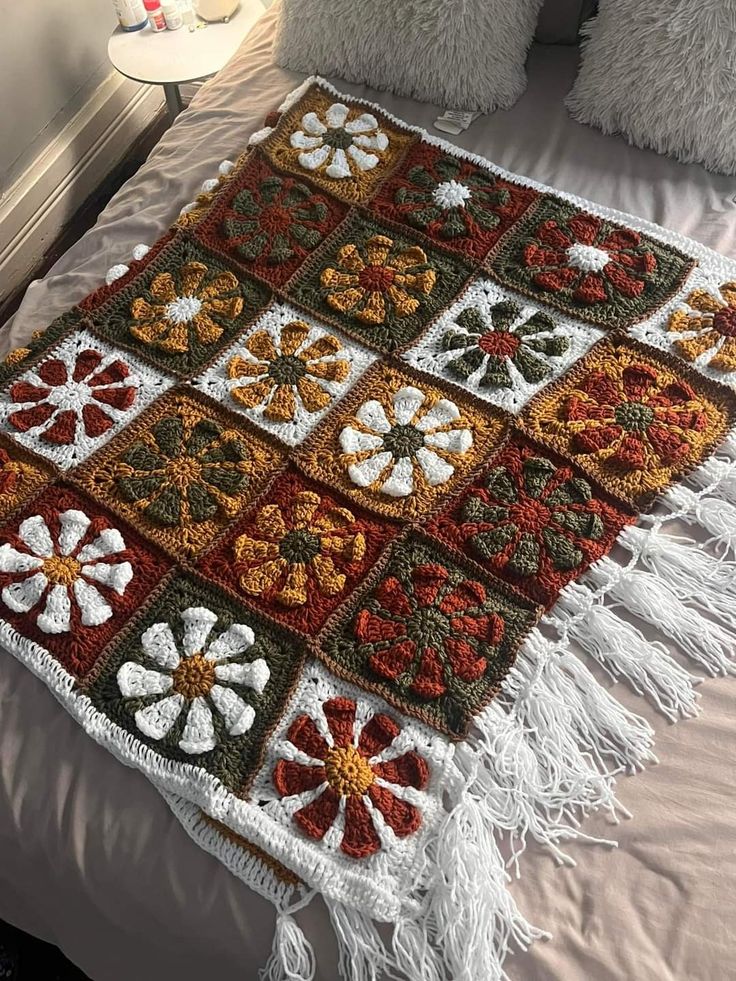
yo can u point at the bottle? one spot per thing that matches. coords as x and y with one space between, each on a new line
131 14
155 15
172 14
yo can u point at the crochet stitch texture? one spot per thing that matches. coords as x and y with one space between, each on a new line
290 508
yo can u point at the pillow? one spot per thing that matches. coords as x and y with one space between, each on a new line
663 75
559 20
459 54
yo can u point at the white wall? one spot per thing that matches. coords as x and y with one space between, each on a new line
53 54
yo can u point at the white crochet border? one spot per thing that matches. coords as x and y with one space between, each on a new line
187 787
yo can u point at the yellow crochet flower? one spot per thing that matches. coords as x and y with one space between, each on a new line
712 323
285 372
378 280
190 304
294 549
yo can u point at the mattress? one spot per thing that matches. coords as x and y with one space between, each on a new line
90 856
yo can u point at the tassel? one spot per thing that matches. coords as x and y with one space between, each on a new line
622 650
413 952
688 569
362 953
720 475
504 775
471 915
715 515
292 956
653 600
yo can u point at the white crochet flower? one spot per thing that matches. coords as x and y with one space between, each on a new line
197 678
394 439
62 572
346 145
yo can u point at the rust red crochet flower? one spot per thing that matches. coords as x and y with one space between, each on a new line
427 622
356 773
587 256
634 421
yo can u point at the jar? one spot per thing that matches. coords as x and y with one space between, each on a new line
216 9
172 14
131 14
155 15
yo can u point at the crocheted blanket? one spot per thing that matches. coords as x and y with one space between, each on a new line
314 511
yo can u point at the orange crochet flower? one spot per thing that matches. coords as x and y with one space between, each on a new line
286 373
191 302
710 325
295 547
377 279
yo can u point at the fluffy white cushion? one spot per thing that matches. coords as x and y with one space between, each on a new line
664 75
458 54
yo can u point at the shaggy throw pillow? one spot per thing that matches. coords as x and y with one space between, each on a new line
664 75
459 54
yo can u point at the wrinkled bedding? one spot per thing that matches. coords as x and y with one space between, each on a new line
90 856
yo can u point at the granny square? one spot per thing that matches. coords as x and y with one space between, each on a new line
39 342
431 634
268 222
378 284
353 782
398 444
587 266
183 310
72 574
21 475
456 203
532 519
123 273
182 472
499 346
75 399
285 372
199 679
344 150
633 418
299 552
700 327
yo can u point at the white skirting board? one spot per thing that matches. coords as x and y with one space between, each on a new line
45 197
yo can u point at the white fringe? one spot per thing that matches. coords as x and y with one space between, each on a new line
646 596
716 515
719 475
623 651
362 955
292 956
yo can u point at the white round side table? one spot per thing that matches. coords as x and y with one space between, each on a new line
173 58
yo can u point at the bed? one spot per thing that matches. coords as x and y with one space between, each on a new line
92 858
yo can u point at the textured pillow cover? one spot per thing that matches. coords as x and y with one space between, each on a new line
664 76
461 54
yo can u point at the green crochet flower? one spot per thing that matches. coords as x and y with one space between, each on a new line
181 472
274 221
489 343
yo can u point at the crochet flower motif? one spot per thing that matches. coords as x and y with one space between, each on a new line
457 204
390 442
192 302
350 775
282 375
378 279
296 549
428 629
275 220
710 326
489 344
58 570
633 420
10 473
175 473
340 147
71 393
197 674
584 255
537 515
